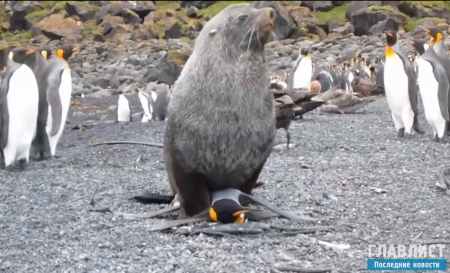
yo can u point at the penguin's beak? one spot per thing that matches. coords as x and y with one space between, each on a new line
240 216
426 30
75 49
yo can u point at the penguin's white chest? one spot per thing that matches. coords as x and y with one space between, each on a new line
148 109
396 84
429 93
123 109
22 100
303 74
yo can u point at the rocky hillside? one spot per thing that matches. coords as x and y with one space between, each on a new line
42 21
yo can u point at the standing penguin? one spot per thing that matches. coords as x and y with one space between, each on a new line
147 102
301 72
437 42
161 102
434 87
59 92
123 109
400 87
37 61
19 98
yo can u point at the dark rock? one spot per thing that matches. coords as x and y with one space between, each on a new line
79 9
284 25
355 6
192 12
338 3
197 4
318 5
56 27
422 9
364 19
127 9
304 17
144 33
172 28
171 65
385 25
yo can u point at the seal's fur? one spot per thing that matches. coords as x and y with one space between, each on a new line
220 125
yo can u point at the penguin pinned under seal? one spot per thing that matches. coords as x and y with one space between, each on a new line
434 89
301 72
123 109
19 98
400 88
59 92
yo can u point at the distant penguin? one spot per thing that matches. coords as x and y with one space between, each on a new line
301 72
59 93
147 102
400 87
123 109
161 104
434 87
325 80
19 99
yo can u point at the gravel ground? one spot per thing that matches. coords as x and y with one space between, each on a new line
46 227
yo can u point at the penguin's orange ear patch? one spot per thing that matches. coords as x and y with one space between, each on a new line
389 52
60 53
439 37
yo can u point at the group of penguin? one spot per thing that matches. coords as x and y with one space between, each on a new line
400 77
427 73
154 105
35 96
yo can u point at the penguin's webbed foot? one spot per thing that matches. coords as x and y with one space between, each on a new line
23 165
401 132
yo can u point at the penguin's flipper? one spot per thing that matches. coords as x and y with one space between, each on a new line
277 210
163 225
54 99
4 115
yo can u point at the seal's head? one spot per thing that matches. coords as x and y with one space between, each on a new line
240 26
227 211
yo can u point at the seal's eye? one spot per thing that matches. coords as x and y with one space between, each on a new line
242 17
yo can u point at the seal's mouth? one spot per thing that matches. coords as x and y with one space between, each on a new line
268 27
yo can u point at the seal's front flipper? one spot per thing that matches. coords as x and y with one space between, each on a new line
153 198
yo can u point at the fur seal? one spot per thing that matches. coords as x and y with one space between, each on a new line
220 124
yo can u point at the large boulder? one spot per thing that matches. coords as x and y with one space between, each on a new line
318 5
364 19
197 4
304 18
422 9
126 9
57 27
83 11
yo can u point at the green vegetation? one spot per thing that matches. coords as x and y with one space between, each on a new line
217 7
50 7
337 12
38 14
18 37
383 9
91 26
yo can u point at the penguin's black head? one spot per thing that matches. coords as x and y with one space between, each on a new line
391 38
304 51
65 52
418 46
45 52
435 33
227 211
22 54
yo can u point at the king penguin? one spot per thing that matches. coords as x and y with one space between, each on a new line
434 89
123 109
148 103
37 61
401 88
59 92
301 72
19 98
437 42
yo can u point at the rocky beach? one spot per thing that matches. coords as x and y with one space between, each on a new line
348 170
